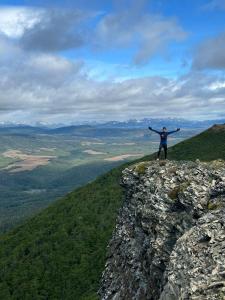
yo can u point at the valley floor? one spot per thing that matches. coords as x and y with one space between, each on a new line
36 168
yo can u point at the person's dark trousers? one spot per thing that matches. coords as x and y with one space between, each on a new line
164 146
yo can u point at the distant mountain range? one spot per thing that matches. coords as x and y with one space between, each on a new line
132 123
168 122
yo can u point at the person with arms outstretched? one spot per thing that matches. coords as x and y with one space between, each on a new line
163 139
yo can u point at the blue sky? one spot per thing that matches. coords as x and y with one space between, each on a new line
72 61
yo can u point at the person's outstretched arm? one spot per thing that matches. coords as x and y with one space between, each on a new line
150 128
170 132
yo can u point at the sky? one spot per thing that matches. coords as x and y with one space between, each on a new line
91 60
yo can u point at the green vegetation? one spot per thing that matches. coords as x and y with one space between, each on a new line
206 146
24 194
60 253
213 206
141 167
174 193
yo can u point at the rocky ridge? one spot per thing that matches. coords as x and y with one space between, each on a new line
169 241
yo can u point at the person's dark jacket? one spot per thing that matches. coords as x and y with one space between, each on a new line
163 135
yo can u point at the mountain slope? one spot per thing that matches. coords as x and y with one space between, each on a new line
60 253
208 145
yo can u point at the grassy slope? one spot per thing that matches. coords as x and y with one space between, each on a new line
206 146
60 253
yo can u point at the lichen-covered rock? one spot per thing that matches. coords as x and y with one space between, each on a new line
169 241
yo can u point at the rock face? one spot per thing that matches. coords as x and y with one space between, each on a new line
169 242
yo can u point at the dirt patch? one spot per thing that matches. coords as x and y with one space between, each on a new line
123 144
26 162
91 143
48 149
122 157
93 152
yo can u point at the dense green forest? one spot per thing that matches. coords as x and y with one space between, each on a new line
23 195
60 252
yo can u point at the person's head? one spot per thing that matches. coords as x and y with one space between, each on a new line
164 129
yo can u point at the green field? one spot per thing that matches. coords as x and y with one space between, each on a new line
77 158
60 253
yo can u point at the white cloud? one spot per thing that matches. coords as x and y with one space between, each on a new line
15 20
49 87
43 29
50 64
150 34
216 85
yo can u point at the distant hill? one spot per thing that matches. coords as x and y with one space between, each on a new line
22 130
206 146
60 253
104 127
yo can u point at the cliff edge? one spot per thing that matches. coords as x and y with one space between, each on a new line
169 241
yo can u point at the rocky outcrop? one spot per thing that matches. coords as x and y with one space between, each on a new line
169 242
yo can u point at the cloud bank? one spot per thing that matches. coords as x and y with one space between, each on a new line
38 82
47 87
